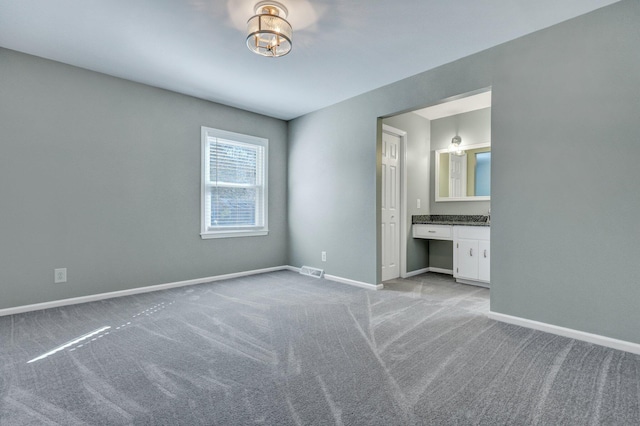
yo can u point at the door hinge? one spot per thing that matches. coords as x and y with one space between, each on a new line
457 245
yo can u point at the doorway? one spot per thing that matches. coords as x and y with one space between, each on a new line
425 131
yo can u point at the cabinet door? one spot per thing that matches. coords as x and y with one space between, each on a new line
467 259
484 260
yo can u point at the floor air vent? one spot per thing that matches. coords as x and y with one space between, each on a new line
312 272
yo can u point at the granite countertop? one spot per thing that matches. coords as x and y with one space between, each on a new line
450 219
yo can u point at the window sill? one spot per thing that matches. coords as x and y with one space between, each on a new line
232 234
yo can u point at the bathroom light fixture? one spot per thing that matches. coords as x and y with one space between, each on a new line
454 148
268 33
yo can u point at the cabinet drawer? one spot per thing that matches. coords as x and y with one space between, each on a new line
474 232
433 232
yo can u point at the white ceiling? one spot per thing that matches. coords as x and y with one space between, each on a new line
456 106
341 48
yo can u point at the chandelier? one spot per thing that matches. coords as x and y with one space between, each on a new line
268 33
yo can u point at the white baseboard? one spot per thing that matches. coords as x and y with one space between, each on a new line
148 289
343 280
416 272
472 282
441 270
597 339
429 269
138 290
353 282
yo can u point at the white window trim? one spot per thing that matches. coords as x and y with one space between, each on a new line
205 232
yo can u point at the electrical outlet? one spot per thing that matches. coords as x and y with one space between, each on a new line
418 203
60 275
324 256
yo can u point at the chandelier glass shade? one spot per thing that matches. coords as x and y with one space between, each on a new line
268 33
454 148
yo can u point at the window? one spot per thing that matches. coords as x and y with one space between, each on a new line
234 184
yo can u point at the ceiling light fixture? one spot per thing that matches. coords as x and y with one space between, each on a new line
454 148
268 33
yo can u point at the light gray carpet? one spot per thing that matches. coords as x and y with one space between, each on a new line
283 349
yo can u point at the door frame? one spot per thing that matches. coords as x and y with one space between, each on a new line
402 256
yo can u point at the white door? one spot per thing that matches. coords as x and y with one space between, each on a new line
457 175
390 206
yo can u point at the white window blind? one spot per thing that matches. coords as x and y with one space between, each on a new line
234 197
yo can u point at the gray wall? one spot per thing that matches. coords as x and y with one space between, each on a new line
564 141
334 183
417 171
102 176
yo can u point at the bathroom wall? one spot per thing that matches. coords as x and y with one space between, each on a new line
473 127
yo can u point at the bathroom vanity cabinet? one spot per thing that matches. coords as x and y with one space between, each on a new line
471 249
472 253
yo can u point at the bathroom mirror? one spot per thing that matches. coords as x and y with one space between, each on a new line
464 175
